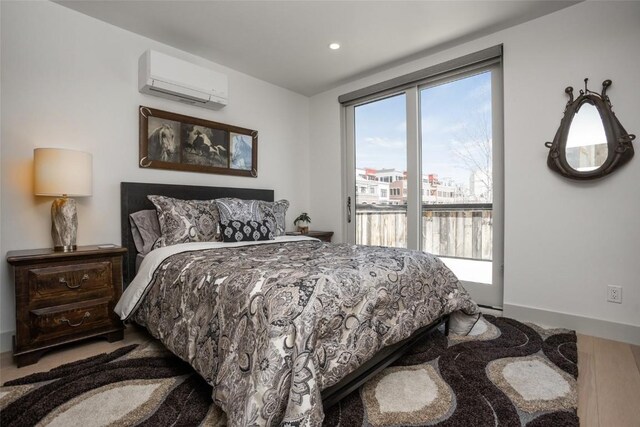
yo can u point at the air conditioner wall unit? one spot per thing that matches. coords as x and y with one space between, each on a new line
168 77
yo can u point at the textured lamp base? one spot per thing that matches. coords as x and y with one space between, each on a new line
64 224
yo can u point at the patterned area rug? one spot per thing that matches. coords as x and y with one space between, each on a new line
504 373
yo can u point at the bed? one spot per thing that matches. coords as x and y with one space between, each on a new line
283 328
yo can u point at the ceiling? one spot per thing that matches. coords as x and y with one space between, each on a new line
286 42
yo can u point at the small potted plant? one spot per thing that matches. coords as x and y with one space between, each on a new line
302 222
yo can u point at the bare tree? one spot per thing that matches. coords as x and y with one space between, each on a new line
472 146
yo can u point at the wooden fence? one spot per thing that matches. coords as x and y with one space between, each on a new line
461 231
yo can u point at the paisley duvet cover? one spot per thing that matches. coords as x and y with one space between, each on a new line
271 325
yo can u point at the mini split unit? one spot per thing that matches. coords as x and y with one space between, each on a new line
168 77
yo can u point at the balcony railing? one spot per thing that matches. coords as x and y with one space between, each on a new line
451 230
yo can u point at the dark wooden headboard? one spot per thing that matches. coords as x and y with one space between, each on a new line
133 198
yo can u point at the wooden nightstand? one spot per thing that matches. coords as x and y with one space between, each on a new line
63 297
325 236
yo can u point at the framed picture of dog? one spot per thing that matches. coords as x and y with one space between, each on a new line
174 141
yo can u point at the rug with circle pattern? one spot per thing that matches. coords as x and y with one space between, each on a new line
504 373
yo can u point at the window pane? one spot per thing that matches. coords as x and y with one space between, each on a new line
457 175
381 164
456 141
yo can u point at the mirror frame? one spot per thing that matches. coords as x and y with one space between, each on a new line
619 148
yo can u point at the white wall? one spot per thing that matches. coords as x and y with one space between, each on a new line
70 81
564 240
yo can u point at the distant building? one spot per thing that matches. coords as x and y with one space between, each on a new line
397 185
390 175
398 192
369 189
479 187
389 186
441 191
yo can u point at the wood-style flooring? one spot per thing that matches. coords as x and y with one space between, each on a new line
608 384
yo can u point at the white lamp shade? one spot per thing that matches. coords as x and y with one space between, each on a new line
60 172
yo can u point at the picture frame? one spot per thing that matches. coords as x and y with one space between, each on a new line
178 142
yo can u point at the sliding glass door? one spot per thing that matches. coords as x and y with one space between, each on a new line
425 172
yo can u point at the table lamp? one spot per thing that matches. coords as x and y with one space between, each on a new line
63 173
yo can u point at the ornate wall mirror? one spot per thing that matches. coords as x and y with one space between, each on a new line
590 142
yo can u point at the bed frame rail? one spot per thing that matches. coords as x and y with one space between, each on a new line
384 358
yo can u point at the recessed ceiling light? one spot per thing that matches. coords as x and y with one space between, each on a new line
334 46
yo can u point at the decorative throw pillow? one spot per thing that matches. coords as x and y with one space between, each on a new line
249 231
276 212
145 229
238 209
254 210
183 221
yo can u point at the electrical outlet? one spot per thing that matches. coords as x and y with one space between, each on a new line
614 294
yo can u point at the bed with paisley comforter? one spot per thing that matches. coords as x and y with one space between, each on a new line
271 324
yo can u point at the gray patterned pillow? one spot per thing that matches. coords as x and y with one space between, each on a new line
145 229
276 212
231 209
183 221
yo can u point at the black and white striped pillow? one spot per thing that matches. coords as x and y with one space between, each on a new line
249 231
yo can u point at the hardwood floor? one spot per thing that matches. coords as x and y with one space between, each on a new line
608 384
617 383
70 353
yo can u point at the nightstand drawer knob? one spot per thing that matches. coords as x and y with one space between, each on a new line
73 325
64 281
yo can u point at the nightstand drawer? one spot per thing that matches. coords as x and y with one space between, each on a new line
66 282
53 322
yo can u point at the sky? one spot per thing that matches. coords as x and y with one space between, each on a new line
453 114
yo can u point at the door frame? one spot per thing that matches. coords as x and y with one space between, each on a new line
487 295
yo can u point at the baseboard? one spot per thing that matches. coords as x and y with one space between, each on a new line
584 325
6 341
